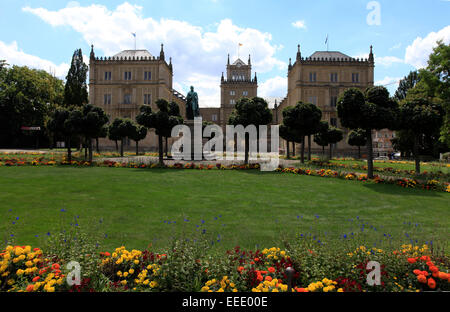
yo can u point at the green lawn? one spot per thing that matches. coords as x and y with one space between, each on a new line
247 208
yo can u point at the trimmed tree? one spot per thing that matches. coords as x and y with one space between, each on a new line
254 111
75 90
66 123
139 133
420 117
122 128
161 121
303 120
334 135
369 111
94 120
357 137
113 135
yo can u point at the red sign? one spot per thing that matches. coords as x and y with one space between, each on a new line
30 128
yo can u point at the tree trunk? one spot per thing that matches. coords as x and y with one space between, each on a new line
117 146
309 147
331 151
121 147
287 150
69 151
370 155
160 147
323 151
85 149
247 142
293 148
302 157
167 147
90 149
96 146
416 154
359 152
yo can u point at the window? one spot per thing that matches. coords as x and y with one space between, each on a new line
333 122
312 99
106 99
147 75
127 75
214 117
312 77
333 101
107 75
245 93
232 101
127 99
355 77
333 77
232 92
147 99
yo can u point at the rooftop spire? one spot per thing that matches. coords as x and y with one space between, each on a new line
249 62
299 54
228 62
161 54
170 63
371 55
92 56
290 64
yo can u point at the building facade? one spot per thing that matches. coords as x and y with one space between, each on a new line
320 79
236 84
122 83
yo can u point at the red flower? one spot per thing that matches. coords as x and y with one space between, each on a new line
411 260
431 283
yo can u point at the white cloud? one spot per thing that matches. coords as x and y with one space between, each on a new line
391 82
386 61
418 52
299 24
196 54
396 46
273 87
15 56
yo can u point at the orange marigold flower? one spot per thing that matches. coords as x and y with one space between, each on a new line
240 269
443 275
417 272
268 278
36 279
301 289
256 259
56 266
271 270
434 269
421 278
259 277
411 260
431 283
30 288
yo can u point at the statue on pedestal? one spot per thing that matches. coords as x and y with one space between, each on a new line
192 108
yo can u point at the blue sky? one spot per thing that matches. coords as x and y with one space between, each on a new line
199 34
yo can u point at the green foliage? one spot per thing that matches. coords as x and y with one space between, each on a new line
162 121
373 109
254 111
27 98
357 137
406 84
75 90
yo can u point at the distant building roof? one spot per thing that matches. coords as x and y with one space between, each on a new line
329 54
239 62
135 53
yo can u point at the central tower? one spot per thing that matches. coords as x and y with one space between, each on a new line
237 84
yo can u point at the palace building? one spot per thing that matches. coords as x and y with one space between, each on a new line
120 84
237 83
320 79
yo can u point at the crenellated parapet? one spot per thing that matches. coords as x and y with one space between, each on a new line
125 58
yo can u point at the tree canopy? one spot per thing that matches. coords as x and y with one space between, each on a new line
75 90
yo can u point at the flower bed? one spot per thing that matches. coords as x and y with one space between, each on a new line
410 268
431 184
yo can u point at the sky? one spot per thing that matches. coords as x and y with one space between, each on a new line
199 34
